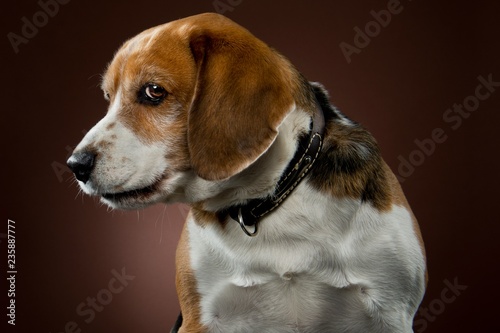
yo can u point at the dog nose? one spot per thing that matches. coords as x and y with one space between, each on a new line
81 164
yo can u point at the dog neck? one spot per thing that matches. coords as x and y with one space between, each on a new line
262 187
309 147
260 180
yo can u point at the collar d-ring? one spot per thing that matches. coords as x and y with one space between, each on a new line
244 227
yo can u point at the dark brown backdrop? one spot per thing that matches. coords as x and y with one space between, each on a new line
400 85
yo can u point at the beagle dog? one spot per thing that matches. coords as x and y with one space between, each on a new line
296 222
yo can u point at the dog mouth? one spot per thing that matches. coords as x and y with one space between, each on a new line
140 194
129 194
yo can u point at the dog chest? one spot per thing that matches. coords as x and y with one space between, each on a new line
321 282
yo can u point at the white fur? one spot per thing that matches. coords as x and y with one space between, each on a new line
317 265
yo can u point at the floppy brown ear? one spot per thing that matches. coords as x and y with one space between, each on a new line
243 92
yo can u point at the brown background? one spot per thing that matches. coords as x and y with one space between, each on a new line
399 86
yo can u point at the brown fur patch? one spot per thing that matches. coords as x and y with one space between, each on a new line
178 155
203 217
167 62
187 291
350 165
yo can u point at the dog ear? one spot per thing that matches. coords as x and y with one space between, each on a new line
243 92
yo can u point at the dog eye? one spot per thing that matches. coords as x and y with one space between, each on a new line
152 94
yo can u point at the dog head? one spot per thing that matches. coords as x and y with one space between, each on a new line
198 97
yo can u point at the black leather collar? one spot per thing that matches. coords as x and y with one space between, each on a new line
309 147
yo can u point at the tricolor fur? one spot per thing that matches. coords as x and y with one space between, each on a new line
343 253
